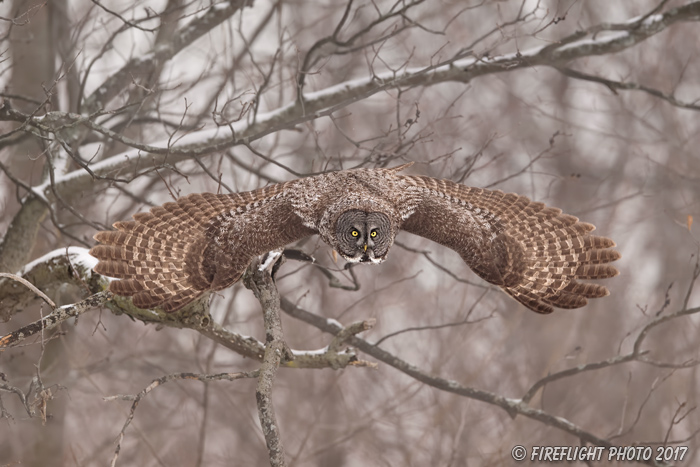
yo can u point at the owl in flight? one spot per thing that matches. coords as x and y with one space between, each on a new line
173 254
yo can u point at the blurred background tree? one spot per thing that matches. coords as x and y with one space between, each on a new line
109 109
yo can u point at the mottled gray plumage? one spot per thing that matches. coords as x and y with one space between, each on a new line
176 252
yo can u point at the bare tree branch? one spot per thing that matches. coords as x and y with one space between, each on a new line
126 107
614 86
512 406
259 280
159 382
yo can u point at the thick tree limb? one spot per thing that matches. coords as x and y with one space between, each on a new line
72 266
259 280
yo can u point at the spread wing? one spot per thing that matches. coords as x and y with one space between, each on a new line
176 252
533 252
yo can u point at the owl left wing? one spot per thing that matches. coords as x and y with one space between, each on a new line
173 254
533 252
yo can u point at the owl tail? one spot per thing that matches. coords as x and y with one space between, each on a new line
153 256
557 251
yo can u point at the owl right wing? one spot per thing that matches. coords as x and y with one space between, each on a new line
533 252
173 254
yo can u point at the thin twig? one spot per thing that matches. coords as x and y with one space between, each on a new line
29 285
160 381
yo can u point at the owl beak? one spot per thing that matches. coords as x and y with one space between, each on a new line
365 248
335 256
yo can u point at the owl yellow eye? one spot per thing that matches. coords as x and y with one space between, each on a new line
373 234
355 233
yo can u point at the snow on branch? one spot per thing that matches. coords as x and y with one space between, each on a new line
597 40
78 256
74 265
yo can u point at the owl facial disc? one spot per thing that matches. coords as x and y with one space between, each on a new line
364 237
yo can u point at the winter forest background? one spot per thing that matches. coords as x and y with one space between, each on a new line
110 107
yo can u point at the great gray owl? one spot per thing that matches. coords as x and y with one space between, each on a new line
176 252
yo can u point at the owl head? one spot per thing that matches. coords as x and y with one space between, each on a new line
364 237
